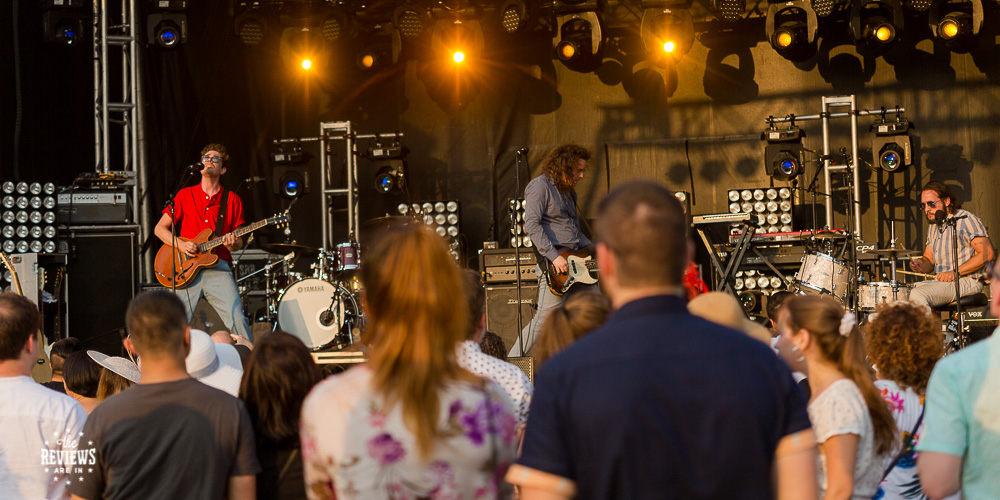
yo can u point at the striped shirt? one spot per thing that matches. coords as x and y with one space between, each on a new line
939 239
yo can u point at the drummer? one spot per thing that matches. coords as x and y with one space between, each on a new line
974 249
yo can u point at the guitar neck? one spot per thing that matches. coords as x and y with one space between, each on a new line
210 244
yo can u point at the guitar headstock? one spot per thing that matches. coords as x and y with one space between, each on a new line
280 219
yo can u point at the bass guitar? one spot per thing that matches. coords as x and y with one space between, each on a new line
168 259
582 268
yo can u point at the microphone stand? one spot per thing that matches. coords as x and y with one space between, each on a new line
960 337
173 226
518 158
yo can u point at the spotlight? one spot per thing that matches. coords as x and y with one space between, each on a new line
63 21
666 33
251 27
891 144
302 46
458 57
391 177
335 26
783 153
875 24
306 64
513 16
290 178
579 41
458 40
825 8
730 10
374 56
411 20
957 24
791 29
166 23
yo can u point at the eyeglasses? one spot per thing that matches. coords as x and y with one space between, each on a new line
218 159
931 204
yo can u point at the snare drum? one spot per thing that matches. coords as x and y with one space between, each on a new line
872 294
348 257
822 274
321 314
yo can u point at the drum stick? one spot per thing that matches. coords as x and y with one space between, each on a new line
916 274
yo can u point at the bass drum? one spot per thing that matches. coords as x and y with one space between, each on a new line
323 315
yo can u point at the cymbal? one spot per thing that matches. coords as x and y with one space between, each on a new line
894 252
828 235
285 248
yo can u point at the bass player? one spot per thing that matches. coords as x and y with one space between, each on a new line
552 222
197 208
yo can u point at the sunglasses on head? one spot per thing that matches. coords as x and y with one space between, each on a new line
932 204
213 159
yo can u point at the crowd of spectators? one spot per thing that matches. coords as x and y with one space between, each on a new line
640 394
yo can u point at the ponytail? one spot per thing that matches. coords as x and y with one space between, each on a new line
840 340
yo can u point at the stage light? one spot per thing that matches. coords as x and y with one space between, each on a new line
667 34
306 64
459 40
579 42
251 27
63 21
391 177
783 153
957 24
513 16
290 178
791 29
303 47
875 24
458 56
824 8
411 19
729 10
166 23
891 147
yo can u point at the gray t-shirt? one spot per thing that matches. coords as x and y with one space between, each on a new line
171 440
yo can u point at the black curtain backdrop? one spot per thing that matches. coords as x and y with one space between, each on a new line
695 127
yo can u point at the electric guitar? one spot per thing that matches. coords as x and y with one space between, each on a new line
169 258
582 268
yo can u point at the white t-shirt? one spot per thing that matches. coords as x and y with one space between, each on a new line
841 409
36 425
509 377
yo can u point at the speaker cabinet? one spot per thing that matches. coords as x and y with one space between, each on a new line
501 310
102 277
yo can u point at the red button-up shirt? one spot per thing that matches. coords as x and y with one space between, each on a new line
196 211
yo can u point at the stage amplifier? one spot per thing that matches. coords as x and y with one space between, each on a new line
501 310
93 207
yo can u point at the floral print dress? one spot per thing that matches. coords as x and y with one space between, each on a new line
354 448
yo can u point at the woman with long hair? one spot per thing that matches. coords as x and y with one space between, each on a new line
904 342
853 426
411 422
580 314
278 376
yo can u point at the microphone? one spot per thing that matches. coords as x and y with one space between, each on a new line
523 151
939 216
195 168
256 178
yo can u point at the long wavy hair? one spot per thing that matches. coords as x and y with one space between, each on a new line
416 317
821 317
905 342
561 162
279 374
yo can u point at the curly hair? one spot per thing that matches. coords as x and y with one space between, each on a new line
905 342
561 161
218 148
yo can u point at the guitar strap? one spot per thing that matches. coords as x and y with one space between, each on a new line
221 221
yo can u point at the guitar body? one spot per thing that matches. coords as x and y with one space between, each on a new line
582 268
187 267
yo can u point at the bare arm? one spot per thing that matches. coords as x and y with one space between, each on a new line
162 231
538 485
940 473
795 467
243 487
924 264
984 253
840 451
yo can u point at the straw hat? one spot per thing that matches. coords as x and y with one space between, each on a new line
723 309
124 367
215 365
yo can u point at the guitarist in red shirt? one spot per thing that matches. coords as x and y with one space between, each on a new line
551 220
197 208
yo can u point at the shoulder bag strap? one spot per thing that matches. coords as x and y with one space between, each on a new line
906 445
221 221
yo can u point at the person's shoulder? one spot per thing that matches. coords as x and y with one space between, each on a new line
341 387
48 401
975 358
540 183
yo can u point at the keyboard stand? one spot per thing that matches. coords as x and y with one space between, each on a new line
728 274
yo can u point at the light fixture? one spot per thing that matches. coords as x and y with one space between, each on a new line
891 144
729 10
302 46
875 24
791 29
783 153
250 27
667 34
957 24
290 178
457 40
513 16
28 218
63 21
391 177
166 23
579 42
825 8
411 19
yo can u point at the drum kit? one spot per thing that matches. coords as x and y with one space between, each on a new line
822 274
322 307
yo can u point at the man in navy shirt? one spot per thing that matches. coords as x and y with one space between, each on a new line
658 403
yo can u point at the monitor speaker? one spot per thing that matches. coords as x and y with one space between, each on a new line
501 310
